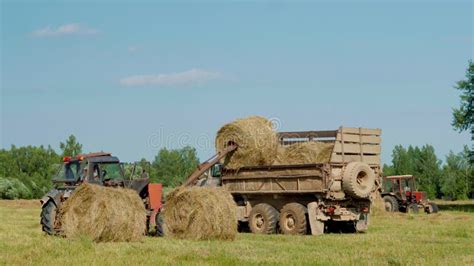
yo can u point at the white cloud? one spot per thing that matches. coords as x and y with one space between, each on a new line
66 29
186 78
132 49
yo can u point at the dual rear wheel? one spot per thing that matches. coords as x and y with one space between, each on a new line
291 220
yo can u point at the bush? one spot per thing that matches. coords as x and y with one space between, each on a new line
12 188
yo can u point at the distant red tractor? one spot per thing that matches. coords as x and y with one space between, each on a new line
101 169
400 195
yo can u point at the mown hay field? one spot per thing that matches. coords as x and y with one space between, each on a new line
446 238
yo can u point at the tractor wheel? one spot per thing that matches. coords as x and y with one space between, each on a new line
159 225
48 217
432 208
391 204
293 219
263 219
412 208
358 180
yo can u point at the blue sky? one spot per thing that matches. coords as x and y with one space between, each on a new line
132 78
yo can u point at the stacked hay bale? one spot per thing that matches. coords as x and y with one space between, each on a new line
103 214
256 139
258 145
200 213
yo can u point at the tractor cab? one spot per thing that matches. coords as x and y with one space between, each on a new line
98 168
400 194
402 186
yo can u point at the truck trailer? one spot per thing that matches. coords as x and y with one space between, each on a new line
304 198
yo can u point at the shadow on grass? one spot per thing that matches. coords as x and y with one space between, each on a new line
465 207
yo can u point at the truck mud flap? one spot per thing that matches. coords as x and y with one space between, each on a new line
316 225
362 224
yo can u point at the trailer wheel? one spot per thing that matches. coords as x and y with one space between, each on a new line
293 219
391 204
48 216
358 180
263 219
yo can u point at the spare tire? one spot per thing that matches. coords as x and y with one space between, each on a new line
358 180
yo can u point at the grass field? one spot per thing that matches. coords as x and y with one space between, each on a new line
398 239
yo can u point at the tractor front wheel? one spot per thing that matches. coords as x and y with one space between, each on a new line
48 217
432 208
391 204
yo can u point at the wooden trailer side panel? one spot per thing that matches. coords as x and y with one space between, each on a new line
357 145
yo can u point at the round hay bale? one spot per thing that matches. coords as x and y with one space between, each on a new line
103 214
305 153
200 213
257 142
280 157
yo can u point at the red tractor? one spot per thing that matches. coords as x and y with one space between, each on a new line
399 194
105 170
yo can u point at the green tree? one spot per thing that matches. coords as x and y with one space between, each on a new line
428 171
463 117
458 175
71 147
388 170
139 166
401 161
171 167
32 166
12 188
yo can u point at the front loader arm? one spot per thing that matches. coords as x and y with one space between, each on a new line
202 168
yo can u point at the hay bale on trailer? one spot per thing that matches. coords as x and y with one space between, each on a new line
256 139
304 153
104 214
200 213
